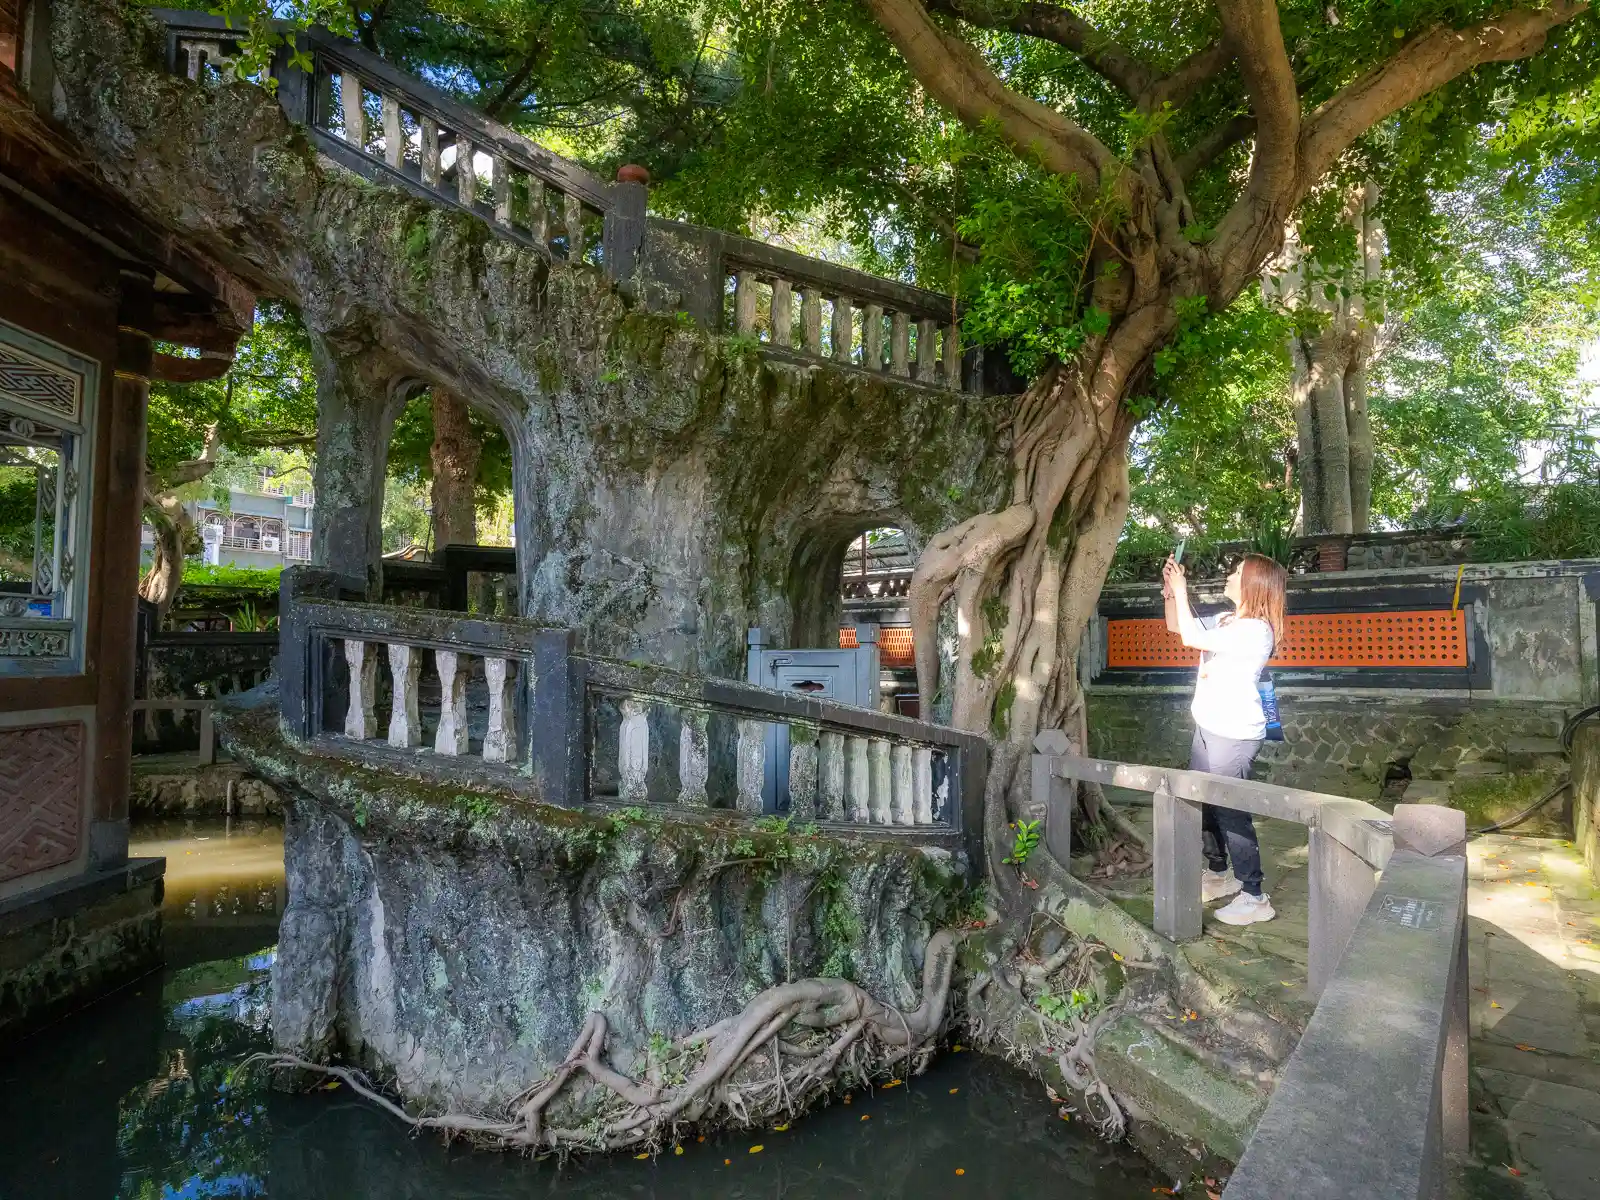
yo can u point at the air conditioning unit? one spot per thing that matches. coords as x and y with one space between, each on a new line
271 544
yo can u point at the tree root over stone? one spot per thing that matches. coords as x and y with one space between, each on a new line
789 1046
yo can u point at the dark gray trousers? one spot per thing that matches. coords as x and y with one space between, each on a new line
1226 833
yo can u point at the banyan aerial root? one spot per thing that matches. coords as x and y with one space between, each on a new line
791 1043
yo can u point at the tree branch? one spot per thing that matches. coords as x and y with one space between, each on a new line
1189 75
956 75
1062 26
1213 143
1421 65
1099 51
1252 28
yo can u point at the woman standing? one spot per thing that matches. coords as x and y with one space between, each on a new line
1229 723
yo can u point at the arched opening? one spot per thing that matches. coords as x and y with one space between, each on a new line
854 574
448 513
874 581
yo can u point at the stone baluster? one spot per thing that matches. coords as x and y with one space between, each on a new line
872 338
359 721
633 751
744 301
573 213
782 313
802 771
694 759
843 332
394 136
899 345
926 357
355 116
830 777
921 786
950 351
538 212
879 782
432 170
811 320
751 765
500 173
902 799
451 736
405 725
500 739
858 784
466 173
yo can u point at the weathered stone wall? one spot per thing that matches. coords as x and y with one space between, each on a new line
1339 744
162 790
672 486
55 955
1586 794
456 942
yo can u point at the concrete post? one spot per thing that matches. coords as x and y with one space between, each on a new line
1177 866
1053 795
354 419
1341 886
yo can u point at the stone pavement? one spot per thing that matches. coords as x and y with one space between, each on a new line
1534 955
1534 960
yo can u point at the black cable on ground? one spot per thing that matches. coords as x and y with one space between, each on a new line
1567 732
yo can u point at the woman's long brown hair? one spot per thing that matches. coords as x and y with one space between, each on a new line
1261 593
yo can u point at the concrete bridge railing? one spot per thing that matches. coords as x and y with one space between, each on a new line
387 125
517 706
1374 1097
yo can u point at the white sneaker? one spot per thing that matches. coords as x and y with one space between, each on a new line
1246 909
1214 885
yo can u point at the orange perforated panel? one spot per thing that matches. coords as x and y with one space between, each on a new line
894 645
1435 638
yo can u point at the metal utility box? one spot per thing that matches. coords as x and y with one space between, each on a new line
844 676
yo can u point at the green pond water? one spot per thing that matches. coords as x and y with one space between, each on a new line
137 1097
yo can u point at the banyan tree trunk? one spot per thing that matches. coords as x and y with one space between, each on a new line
455 455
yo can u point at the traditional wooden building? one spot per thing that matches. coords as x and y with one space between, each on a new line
89 292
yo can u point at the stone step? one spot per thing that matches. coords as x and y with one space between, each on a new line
1479 770
1526 755
1427 791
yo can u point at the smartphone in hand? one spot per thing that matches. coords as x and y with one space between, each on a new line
1177 555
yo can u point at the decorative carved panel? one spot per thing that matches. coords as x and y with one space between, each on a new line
41 797
1432 638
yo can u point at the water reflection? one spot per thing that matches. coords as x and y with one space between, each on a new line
140 1098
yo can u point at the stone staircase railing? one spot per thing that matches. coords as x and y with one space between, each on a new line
516 706
387 125
1374 1097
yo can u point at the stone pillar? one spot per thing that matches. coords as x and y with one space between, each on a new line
500 738
354 418
405 722
694 758
633 752
750 765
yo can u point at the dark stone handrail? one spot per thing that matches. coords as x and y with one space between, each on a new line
550 706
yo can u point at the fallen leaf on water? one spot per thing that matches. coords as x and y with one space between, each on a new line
1116 956
757 1149
866 1116
330 1085
891 1083
677 1149
961 1171
957 1049
953 1091
1525 1046
1287 982
637 1157
1493 1004
1512 1169
1162 1192
701 1138
784 1128
727 1162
